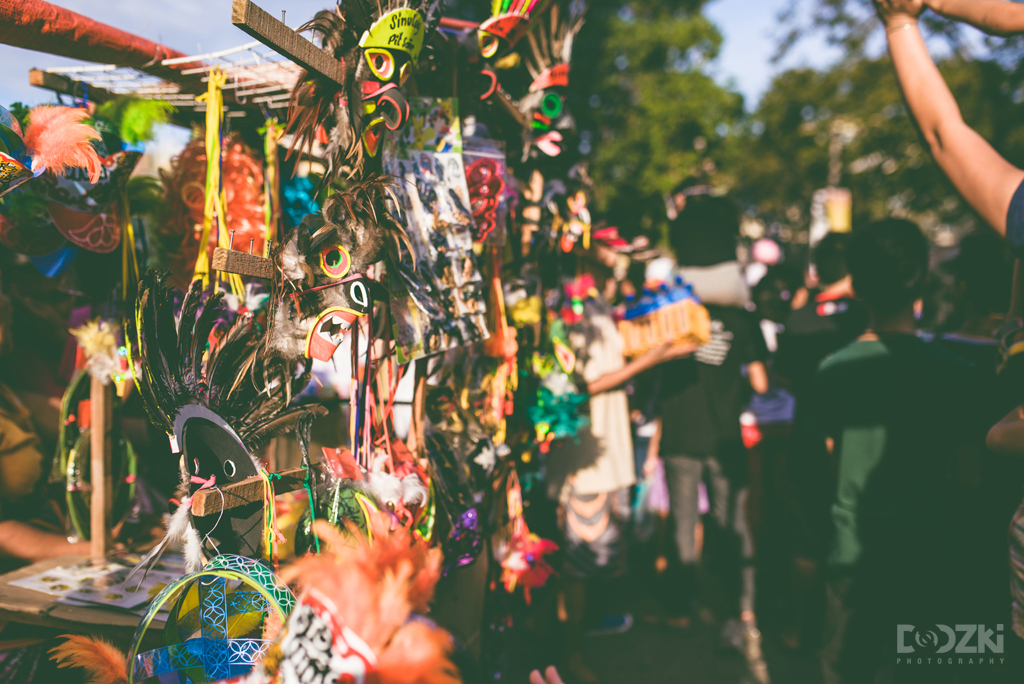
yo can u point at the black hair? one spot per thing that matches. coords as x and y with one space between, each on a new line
888 260
830 258
705 232
985 269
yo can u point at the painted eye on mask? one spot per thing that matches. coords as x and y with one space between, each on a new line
488 44
381 62
551 105
335 261
360 296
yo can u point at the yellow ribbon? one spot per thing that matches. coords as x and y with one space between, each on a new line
129 260
216 201
271 191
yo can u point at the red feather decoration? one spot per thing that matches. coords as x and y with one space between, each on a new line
58 140
104 662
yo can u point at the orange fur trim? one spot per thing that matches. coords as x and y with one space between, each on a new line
375 587
58 140
101 659
417 654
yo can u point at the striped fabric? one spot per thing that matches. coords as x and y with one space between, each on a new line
1016 539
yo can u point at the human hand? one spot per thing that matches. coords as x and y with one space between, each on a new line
898 12
550 676
650 465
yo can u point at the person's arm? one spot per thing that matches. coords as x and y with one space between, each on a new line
994 17
18 540
980 174
653 449
665 352
1007 436
757 374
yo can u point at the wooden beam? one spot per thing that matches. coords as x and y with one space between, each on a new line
242 263
208 501
60 83
276 35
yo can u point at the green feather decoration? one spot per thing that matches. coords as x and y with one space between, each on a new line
135 119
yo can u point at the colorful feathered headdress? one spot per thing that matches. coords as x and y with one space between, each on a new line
55 140
509 21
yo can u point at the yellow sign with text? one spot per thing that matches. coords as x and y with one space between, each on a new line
400 29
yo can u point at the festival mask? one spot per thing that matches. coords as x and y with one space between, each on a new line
543 112
391 48
331 290
352 120
545 107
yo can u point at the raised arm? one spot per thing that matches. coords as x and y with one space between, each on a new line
995 17
980 174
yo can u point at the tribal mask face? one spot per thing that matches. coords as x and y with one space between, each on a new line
546 110
325 268
379 51
542 111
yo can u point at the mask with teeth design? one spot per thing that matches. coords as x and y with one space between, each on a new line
324 288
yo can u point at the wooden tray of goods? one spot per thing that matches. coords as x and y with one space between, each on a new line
679 322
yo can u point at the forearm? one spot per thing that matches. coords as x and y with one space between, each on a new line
1007 436
654 446
995 17
980 174
610 381
758 376
18 540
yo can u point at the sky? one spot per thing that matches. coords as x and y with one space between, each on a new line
196 26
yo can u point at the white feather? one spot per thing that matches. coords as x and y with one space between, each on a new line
292 261
193 550
414 492
177 527
385 488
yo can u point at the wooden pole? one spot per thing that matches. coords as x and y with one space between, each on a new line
101 407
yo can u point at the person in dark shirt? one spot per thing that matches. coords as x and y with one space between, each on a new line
899 419
833 318
698 436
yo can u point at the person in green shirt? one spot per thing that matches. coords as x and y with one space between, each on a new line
897 417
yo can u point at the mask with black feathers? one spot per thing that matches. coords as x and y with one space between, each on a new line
379 45
218 397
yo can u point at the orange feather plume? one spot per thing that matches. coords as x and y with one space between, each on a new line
101 659
375 587
58 140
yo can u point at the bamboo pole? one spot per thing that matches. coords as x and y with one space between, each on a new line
101 407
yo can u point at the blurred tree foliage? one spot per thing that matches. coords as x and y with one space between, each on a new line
648 114
784 155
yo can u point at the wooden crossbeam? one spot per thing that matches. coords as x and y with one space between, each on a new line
208 501
60 83
252 265
276 35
